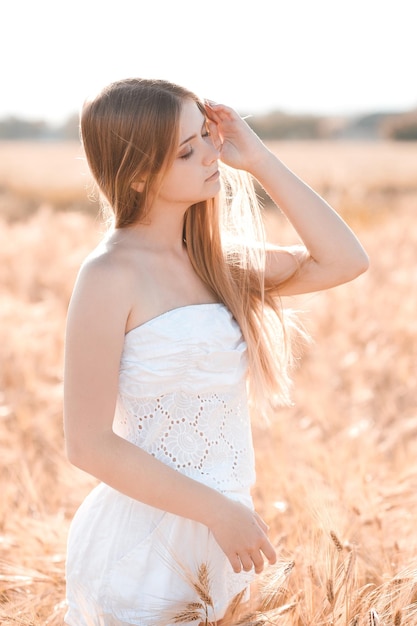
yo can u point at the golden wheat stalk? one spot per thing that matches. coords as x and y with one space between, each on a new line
201 585
349 567
313 575
397 618
330 591
271 589
192 612
336 541
374 618
234 610
252 619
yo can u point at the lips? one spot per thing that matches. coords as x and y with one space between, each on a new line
213 176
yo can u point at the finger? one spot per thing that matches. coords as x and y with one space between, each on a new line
210 103
269 551
210 110
264 526
235 562
257 561
247 562
213 106
215 136
219 112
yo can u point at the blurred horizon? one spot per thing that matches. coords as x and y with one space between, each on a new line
56 122
275 125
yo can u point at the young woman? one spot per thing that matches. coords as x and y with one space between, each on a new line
172 316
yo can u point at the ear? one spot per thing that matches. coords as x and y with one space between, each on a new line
138 186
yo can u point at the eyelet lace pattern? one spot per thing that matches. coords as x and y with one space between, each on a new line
196 420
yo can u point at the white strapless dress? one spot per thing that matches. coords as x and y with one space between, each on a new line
182 398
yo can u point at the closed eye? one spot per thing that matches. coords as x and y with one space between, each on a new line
204 133
187 154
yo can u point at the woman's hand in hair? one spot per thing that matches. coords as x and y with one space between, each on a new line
239 146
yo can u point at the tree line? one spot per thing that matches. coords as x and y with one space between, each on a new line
276 125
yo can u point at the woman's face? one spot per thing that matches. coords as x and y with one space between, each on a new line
193 175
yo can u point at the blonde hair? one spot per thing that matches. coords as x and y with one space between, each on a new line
130 131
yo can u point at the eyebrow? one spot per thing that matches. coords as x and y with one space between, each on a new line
193 136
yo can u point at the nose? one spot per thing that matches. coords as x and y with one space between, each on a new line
212 153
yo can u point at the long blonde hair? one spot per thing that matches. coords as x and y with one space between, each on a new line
130 131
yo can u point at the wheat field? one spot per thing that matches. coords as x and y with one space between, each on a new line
337 471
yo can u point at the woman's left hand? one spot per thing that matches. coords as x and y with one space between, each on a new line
239 146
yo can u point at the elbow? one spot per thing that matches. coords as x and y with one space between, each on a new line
361 264
87 451
78 453
358 265
74 453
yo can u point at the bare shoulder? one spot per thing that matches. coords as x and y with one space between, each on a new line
105 270
106 263
102 293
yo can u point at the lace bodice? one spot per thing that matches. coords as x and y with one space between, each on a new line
182 395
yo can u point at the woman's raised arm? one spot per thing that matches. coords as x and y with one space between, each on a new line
331 253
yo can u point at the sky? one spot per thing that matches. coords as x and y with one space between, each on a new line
330 57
